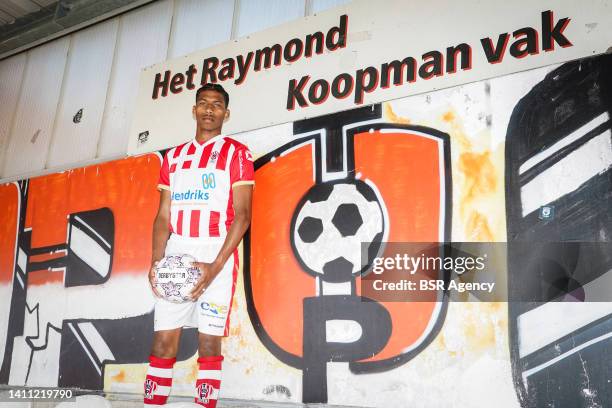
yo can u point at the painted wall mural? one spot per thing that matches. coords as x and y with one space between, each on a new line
525 157
77 297
328 191
559 190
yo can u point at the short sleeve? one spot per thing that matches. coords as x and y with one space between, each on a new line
241 168
164 175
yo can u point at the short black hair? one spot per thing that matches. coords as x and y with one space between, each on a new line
216 88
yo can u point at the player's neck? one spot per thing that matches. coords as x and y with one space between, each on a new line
203 136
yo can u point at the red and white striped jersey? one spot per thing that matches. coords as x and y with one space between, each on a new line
200 178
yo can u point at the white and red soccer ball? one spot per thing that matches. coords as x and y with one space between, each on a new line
176 276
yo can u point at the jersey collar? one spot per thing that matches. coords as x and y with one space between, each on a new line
209 141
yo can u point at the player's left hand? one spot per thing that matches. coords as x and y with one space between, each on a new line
209 272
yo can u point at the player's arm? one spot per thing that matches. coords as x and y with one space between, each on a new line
242 218
242 195
161 232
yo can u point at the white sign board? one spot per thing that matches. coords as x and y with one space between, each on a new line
363 53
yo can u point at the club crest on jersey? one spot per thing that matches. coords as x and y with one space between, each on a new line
205 391
213 157
149 388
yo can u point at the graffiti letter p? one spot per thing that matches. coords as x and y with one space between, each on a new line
375 322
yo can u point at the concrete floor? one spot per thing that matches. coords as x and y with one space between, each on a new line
133 401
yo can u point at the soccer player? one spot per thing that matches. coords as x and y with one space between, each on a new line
204 210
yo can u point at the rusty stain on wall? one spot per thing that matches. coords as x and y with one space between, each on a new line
393 117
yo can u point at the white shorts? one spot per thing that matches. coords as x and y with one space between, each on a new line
210 313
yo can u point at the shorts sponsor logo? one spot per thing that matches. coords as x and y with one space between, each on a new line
213 309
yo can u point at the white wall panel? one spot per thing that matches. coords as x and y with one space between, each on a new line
321 5
142 41
11 74
85 87
35 115
200 24
257 15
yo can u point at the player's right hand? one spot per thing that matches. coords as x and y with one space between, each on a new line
152 280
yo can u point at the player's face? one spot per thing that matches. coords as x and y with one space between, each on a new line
210 111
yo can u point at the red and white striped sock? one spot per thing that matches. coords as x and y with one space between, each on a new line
208 383
159 380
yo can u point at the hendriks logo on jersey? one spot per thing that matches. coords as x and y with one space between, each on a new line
199 195
150 387
205 391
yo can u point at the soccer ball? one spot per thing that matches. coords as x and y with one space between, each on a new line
176 277
330 225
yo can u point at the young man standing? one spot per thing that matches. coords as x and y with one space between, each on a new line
206 187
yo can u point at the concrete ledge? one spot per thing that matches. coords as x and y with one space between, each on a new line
92 399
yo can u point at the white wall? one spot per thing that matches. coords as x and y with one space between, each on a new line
97 70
